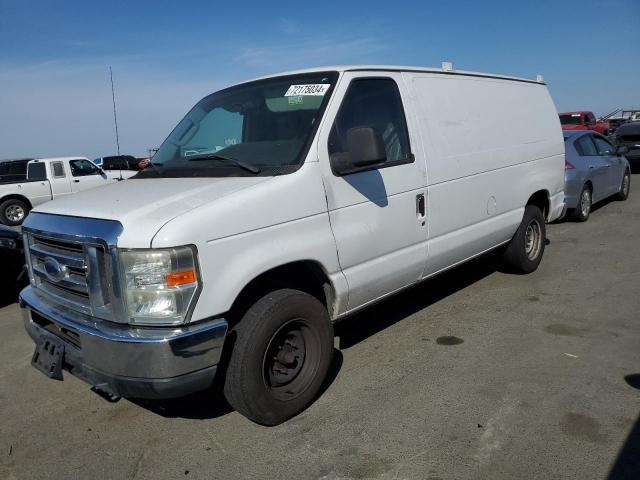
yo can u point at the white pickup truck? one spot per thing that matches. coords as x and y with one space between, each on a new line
277 207
50 178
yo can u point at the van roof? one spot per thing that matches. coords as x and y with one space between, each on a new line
399 68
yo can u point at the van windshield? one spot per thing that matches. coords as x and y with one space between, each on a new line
258 128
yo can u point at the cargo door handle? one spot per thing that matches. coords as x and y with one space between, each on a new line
420 205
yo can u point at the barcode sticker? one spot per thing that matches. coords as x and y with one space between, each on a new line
314 89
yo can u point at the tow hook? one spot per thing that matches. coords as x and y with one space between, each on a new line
108 396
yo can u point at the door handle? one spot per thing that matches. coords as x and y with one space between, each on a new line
591 167
76 181
420 206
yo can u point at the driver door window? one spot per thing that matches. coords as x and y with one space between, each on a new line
85 175
603 146
372 102
82 168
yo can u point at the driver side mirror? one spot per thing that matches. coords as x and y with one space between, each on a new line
365 147
622 150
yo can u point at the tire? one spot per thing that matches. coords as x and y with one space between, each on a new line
280 359
582 212
13 212
625 186
524 252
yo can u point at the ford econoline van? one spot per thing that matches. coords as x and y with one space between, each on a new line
277 207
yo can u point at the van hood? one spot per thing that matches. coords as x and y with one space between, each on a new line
143 206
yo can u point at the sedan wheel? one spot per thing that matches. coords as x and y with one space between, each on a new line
583 211
625 187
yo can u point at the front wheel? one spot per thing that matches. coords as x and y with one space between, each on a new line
280 358
524 252
625 186
13 212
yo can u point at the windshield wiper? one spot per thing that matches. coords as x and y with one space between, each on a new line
234 161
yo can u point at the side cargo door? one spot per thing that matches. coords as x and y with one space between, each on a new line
378 211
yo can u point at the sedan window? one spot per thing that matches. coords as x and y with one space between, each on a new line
585 146
603 146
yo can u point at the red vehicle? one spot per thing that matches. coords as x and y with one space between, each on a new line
583 121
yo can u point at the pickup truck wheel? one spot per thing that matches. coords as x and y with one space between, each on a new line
524 252
625 186
13 212
282 352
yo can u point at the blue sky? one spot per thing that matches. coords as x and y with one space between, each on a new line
55 96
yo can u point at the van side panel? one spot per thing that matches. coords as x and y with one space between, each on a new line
490 144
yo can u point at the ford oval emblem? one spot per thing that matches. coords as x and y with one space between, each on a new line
54 270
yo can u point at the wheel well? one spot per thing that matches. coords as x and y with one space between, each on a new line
589 184
305 275
541 200
17 197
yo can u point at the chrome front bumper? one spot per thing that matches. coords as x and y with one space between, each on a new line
127 361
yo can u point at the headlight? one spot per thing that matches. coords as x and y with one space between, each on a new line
159 284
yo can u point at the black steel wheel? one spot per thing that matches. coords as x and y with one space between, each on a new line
281 355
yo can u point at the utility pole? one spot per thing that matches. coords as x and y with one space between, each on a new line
115 117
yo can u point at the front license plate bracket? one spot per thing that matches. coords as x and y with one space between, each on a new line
49 356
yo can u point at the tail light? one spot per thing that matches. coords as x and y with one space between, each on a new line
568 165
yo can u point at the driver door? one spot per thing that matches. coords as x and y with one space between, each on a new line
85 175
378 212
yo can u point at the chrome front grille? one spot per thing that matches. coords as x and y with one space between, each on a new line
60 269
74 260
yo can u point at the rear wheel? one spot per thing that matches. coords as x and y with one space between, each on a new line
524 252
13 211
581 214
281 356
625 186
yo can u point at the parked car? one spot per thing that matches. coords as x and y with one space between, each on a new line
118 162
143 162
594 170
13 274
49 178
277 207
628 135
583 121
620 116
13 170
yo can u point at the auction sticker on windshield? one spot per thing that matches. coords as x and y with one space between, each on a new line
316 89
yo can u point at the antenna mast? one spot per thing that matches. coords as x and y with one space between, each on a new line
115 117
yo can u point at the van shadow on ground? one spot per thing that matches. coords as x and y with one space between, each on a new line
351 331
627 465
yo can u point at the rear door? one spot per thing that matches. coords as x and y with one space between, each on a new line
598 168
377 214
85 175
59 179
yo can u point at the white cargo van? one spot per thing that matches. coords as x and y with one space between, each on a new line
277 207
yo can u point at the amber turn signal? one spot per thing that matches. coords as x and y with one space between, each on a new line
176 279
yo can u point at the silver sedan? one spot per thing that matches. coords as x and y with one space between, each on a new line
594 170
